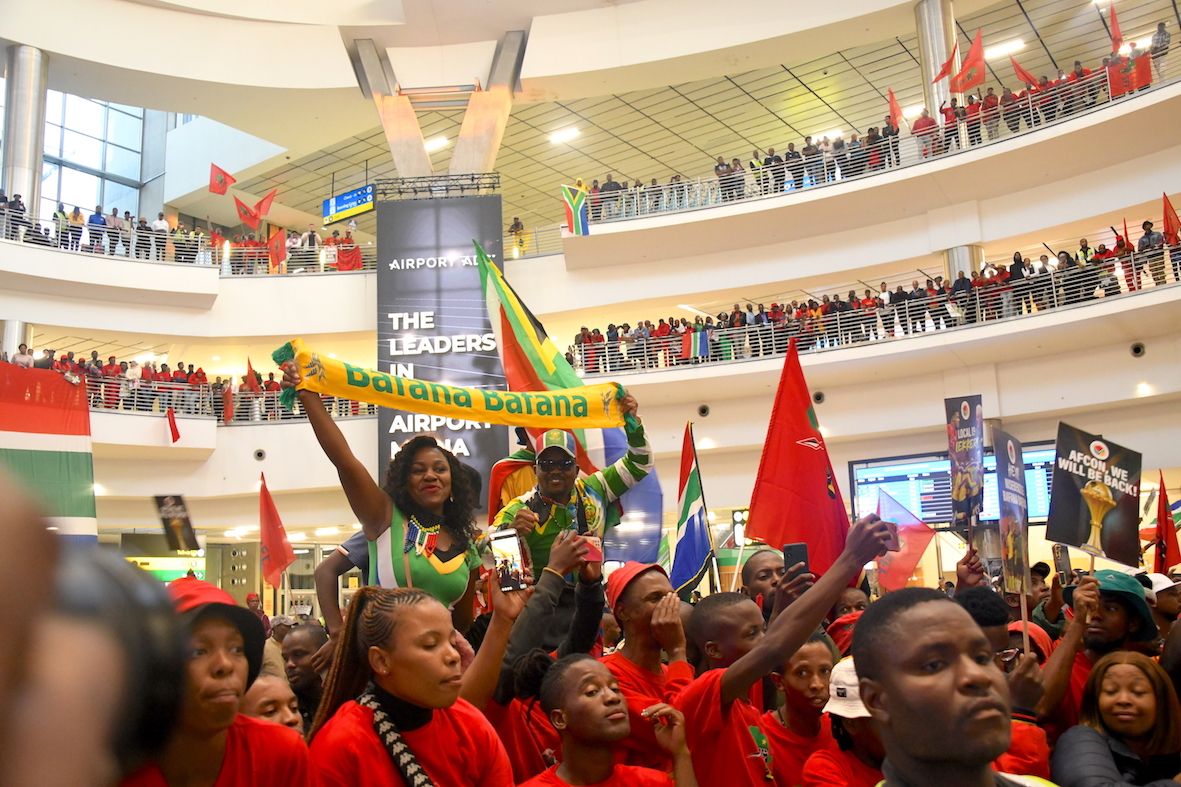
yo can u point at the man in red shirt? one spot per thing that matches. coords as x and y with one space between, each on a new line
973 117
724 728
162 384
649 613
952 114
991 110
272 388
198 389
924 131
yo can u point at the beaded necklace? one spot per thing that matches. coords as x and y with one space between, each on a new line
422 533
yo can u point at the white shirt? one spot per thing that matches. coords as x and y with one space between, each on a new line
161 225
23 360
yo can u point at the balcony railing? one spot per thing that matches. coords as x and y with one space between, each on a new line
829 326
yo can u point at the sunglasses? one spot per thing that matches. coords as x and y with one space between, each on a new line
556 464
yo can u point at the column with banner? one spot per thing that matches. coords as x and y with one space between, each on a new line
432 323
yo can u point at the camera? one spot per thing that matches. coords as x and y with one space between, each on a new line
703 410
818 397
1137 349
259 454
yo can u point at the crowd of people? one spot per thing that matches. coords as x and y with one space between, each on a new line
996 291
436 675
820 159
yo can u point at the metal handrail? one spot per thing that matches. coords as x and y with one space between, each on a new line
1034 110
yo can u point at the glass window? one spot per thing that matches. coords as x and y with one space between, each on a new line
137 111
85 116
82 149
53 107
50 181
79 188
122 162
53 140
116 195
125 130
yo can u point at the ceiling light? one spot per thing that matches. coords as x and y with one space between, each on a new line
1003 49
324 532
301 551
693 309
706 444
298 536
562 136
833 134
233 533
435 144
99 490
1144 389
216 358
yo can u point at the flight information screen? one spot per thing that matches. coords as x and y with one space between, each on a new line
923 485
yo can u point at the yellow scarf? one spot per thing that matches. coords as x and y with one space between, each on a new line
585 407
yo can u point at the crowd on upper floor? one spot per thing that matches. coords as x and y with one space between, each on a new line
996 291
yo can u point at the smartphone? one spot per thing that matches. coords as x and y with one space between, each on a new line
508 560
1062 563
538 506
795 553
594 549
894 544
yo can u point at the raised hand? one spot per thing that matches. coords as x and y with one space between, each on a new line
567 552
969 571
867 539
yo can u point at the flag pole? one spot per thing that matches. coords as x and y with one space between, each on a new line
1025 623
737 566
715 580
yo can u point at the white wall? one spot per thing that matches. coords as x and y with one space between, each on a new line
194 145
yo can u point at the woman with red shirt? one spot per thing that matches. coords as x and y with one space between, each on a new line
856 759
391 709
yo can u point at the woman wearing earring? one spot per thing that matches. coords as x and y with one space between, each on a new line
419 524
391 712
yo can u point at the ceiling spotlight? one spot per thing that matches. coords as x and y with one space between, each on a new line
562 136
435 144
1003 49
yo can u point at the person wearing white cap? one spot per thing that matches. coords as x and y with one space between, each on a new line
858 759
1167 603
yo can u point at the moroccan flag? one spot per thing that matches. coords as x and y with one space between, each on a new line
247 214
1117 38
348 257
251 383
277 249
275 550
576 212
1165 540
227 403
1139 72
1023 75
45 445
263 206
795 497
914 535
972 72
895 109
532 362
220 180
946 68
1172 228
172 427
695 547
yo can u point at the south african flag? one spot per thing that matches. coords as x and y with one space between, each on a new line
577 220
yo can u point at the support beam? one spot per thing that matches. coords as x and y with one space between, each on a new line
404 136
488 111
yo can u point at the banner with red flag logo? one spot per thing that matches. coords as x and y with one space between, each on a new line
795 497
220 180
275 550
945 69
972 72
247 214
914 535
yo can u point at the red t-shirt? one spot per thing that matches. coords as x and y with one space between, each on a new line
728 744
527 735
457 746
258 754
1065 715
623 776
790 750
1028 754
271 385
642 689
924 125
836 768
974 111
949 117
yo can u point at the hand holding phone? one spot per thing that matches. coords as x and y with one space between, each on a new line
594 549
795 553
893 544
1061 555
508 559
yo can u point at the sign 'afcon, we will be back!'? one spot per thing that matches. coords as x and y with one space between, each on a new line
585 407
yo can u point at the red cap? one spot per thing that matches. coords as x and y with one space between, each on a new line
841 631
623 576
252 597
193 599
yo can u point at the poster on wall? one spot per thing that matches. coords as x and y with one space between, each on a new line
432 320
1013 505
1095 496
965 449
178 527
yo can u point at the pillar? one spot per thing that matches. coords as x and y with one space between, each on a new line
404 135
934 23
488 110
13 333
26 82
962 258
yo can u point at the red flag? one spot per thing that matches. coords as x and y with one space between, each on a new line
1127 237
348 257
247 214
1167 553
1023 75
1140 72
914 535
263 206
1117 38
251 383
795 495
172 424
1172 228
227 403
895 109
219 180
972 72
946 69
277 248
276 552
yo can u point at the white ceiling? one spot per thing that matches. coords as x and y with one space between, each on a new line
682 128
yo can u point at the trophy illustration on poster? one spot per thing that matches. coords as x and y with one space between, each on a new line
1095 496
178 527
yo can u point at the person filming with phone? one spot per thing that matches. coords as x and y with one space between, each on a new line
562 500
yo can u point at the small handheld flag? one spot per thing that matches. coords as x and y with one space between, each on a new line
694 545
220 180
